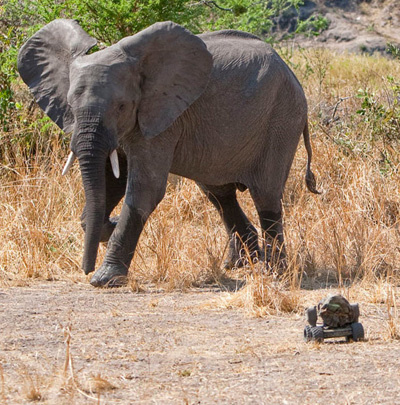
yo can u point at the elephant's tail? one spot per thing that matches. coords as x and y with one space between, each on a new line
310 178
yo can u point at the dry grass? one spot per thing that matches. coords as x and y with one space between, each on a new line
348 234
262 296
35 386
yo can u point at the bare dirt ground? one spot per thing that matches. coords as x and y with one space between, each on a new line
65 342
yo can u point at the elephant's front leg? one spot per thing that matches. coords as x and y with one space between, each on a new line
141 199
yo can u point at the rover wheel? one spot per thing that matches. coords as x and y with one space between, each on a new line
317 333
307 333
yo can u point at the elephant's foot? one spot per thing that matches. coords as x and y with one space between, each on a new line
109 276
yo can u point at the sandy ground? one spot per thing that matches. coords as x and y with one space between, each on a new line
69 343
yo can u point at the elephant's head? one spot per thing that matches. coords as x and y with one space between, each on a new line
141 84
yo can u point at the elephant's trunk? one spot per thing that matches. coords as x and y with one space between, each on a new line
92 150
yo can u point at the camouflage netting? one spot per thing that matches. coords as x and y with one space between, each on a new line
336 311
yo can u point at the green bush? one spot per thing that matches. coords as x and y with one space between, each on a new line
246 15
383 119
313 26
111 20
9 44
393 50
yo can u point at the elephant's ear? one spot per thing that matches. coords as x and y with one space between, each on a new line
44 61
175 66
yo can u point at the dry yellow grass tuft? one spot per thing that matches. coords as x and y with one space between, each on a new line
262 296
97 384
349 233
35 386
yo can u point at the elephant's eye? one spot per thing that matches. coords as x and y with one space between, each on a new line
121 107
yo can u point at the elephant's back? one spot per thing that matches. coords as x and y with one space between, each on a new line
226 34
244 63
236 50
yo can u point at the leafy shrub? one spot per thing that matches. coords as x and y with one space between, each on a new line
8 56
111 20
107 20
393 50
246 15
383 119
313 26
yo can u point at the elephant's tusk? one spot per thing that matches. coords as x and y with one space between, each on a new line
114 163
70 162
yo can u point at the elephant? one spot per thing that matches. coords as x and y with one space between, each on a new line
221 108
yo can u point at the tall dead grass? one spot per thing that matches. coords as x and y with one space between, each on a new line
350 232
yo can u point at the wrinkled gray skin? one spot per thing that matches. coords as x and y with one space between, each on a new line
220 108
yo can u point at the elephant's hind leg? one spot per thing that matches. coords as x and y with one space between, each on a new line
242 234
269 210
